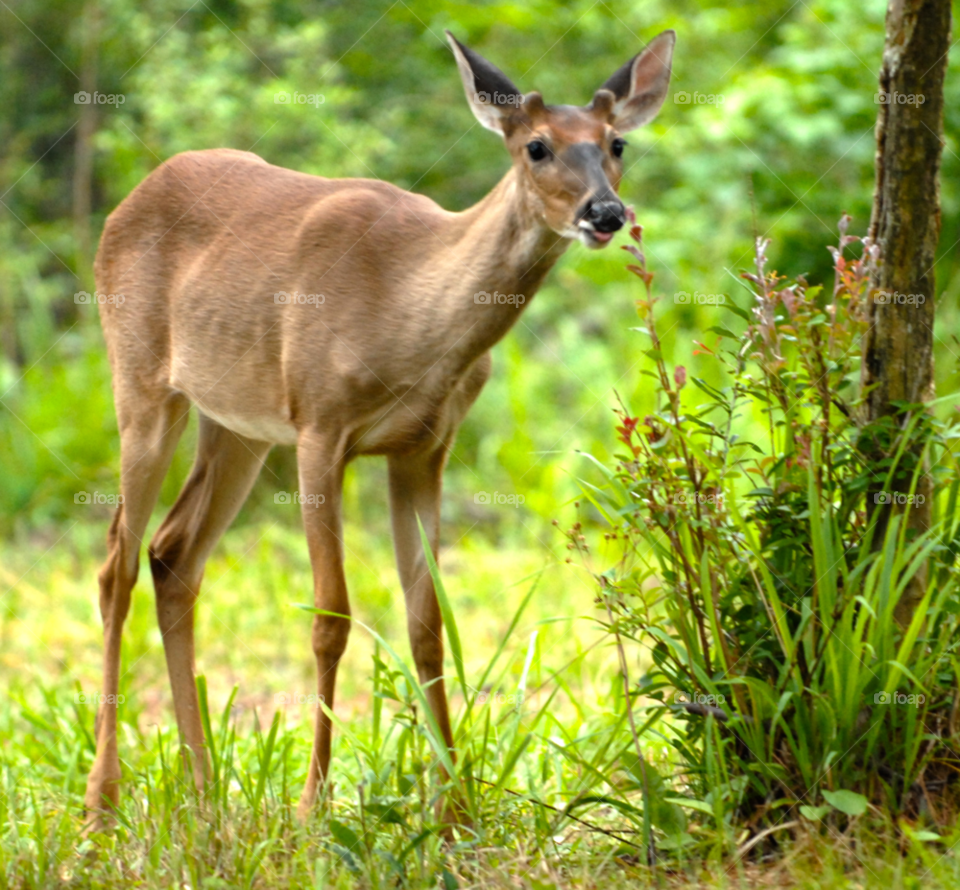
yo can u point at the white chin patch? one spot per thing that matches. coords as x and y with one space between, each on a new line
593 240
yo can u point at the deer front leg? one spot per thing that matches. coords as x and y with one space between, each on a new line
415 484
321 467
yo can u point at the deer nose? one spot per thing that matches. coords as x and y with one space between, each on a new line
606 215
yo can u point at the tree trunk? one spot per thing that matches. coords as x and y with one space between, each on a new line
898 345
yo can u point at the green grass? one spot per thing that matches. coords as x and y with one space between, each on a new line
551 734
248 631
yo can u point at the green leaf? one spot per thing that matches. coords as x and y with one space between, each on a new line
343 834
723 332
346 858
848 802
386 813
926 836
700 805
814 814
737 310
416 842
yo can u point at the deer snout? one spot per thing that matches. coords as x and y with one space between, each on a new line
604 215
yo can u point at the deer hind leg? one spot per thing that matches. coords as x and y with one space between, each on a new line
223 473
321 464
148 439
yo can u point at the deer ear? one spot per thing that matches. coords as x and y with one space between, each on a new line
490 93
640 86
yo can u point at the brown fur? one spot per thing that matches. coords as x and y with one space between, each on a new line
388 364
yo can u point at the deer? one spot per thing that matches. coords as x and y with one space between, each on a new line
385 361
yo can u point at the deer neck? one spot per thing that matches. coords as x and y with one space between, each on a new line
504 250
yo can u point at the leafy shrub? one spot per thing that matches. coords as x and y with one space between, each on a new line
761 580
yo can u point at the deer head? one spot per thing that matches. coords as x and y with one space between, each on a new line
569 159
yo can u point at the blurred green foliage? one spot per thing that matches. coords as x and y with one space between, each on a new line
785 146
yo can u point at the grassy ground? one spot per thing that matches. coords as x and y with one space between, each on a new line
250 634
548 734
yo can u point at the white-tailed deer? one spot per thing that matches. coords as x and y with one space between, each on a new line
388 362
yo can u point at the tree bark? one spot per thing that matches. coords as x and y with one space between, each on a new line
898 346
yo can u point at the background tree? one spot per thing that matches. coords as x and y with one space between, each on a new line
780 97
898 361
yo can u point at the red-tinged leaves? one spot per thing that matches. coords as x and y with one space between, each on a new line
636 252
645 276
703 349
629 426
626 431
680 376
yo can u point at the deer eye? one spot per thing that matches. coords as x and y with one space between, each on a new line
537 151
616 147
